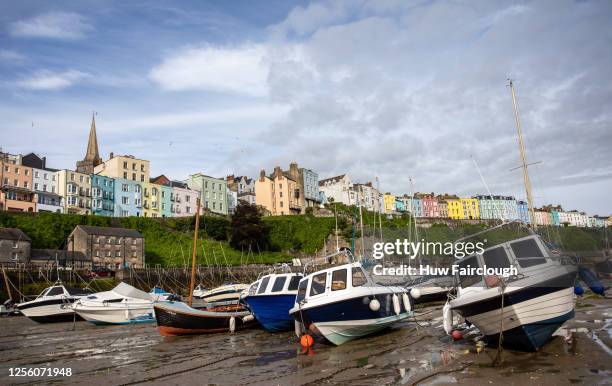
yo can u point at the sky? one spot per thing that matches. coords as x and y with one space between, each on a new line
399 90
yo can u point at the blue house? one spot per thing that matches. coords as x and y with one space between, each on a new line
523 211
102 195
555 217
128 198
417 207
399 205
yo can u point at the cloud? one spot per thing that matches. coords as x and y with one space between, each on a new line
240 70
47 80
52 25
11 56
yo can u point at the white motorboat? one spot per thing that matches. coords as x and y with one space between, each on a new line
53 304
123 304
427 289
343 303
526 308
225 293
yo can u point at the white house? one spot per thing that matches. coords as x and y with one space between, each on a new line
45 185
338 189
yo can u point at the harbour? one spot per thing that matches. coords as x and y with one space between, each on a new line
411 352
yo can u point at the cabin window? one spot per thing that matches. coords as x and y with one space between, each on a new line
301 294
279 283
318 284
253 288
359 278
528 253
294 282
338 280
56 291
496 258
264 284
469 280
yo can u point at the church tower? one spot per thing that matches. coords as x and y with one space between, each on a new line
92 157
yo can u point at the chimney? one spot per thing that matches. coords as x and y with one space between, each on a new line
262 175
111 155
44 162
230 179
293 170
278 171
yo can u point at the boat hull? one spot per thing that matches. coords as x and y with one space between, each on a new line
272 311
117 315
49 311
530 314
345 320
179 319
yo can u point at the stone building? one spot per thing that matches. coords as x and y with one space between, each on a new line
14 246
108 247
92 155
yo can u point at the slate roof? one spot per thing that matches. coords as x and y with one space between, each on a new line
109 231
13 234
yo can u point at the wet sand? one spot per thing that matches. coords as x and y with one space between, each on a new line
409 353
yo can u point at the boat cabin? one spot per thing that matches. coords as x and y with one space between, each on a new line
529 255
334 280
276 284
61 290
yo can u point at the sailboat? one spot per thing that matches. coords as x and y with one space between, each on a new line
177 318
524 310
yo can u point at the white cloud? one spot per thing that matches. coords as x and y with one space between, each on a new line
10 56
52 25
241 70
47 80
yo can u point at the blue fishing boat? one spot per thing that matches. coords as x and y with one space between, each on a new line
271 297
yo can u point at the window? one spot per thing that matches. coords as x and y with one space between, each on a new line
97 253
36 186
124 164
264 284
338 280
108 253
117 253
125 200
469 280
279 283
496 258
294 282
15 255
125 175
301 294
56 291
133 176
15 244
359 277
528 253
318 284
133 166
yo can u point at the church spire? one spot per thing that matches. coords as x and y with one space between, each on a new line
92 157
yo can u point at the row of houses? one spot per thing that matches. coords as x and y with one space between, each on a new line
341 189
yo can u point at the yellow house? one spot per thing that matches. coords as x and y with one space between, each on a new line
389 201
470 208
278 194
124 166
455 208
151 200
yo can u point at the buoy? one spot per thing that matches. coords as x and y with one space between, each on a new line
492 281
578 290
415 293
447 318
406 300
298 328
232 325
306 340
248 318
396 304
374 305
457 335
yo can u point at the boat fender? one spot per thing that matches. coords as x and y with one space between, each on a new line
447 318
578 290
298 328
396 304
248 318
492 281
232 324
374 305
127 314
415 293
406 300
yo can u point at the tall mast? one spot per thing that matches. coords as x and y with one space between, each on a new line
523 157
193 255
379 208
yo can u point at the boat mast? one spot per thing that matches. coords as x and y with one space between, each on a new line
193 255
360 200
523 157
379 208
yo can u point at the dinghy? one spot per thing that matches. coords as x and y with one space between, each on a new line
270 299
343 303
526 308
53 304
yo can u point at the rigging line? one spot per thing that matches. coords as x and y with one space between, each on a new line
501 212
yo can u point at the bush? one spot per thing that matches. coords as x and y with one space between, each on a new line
248 230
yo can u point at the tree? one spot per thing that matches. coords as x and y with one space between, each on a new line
248 230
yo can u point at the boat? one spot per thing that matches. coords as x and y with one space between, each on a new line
123 304
271 297
224 293
53 304
177 318
426 289
526 308
343 303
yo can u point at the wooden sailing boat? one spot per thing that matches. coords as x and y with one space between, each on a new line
177 318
